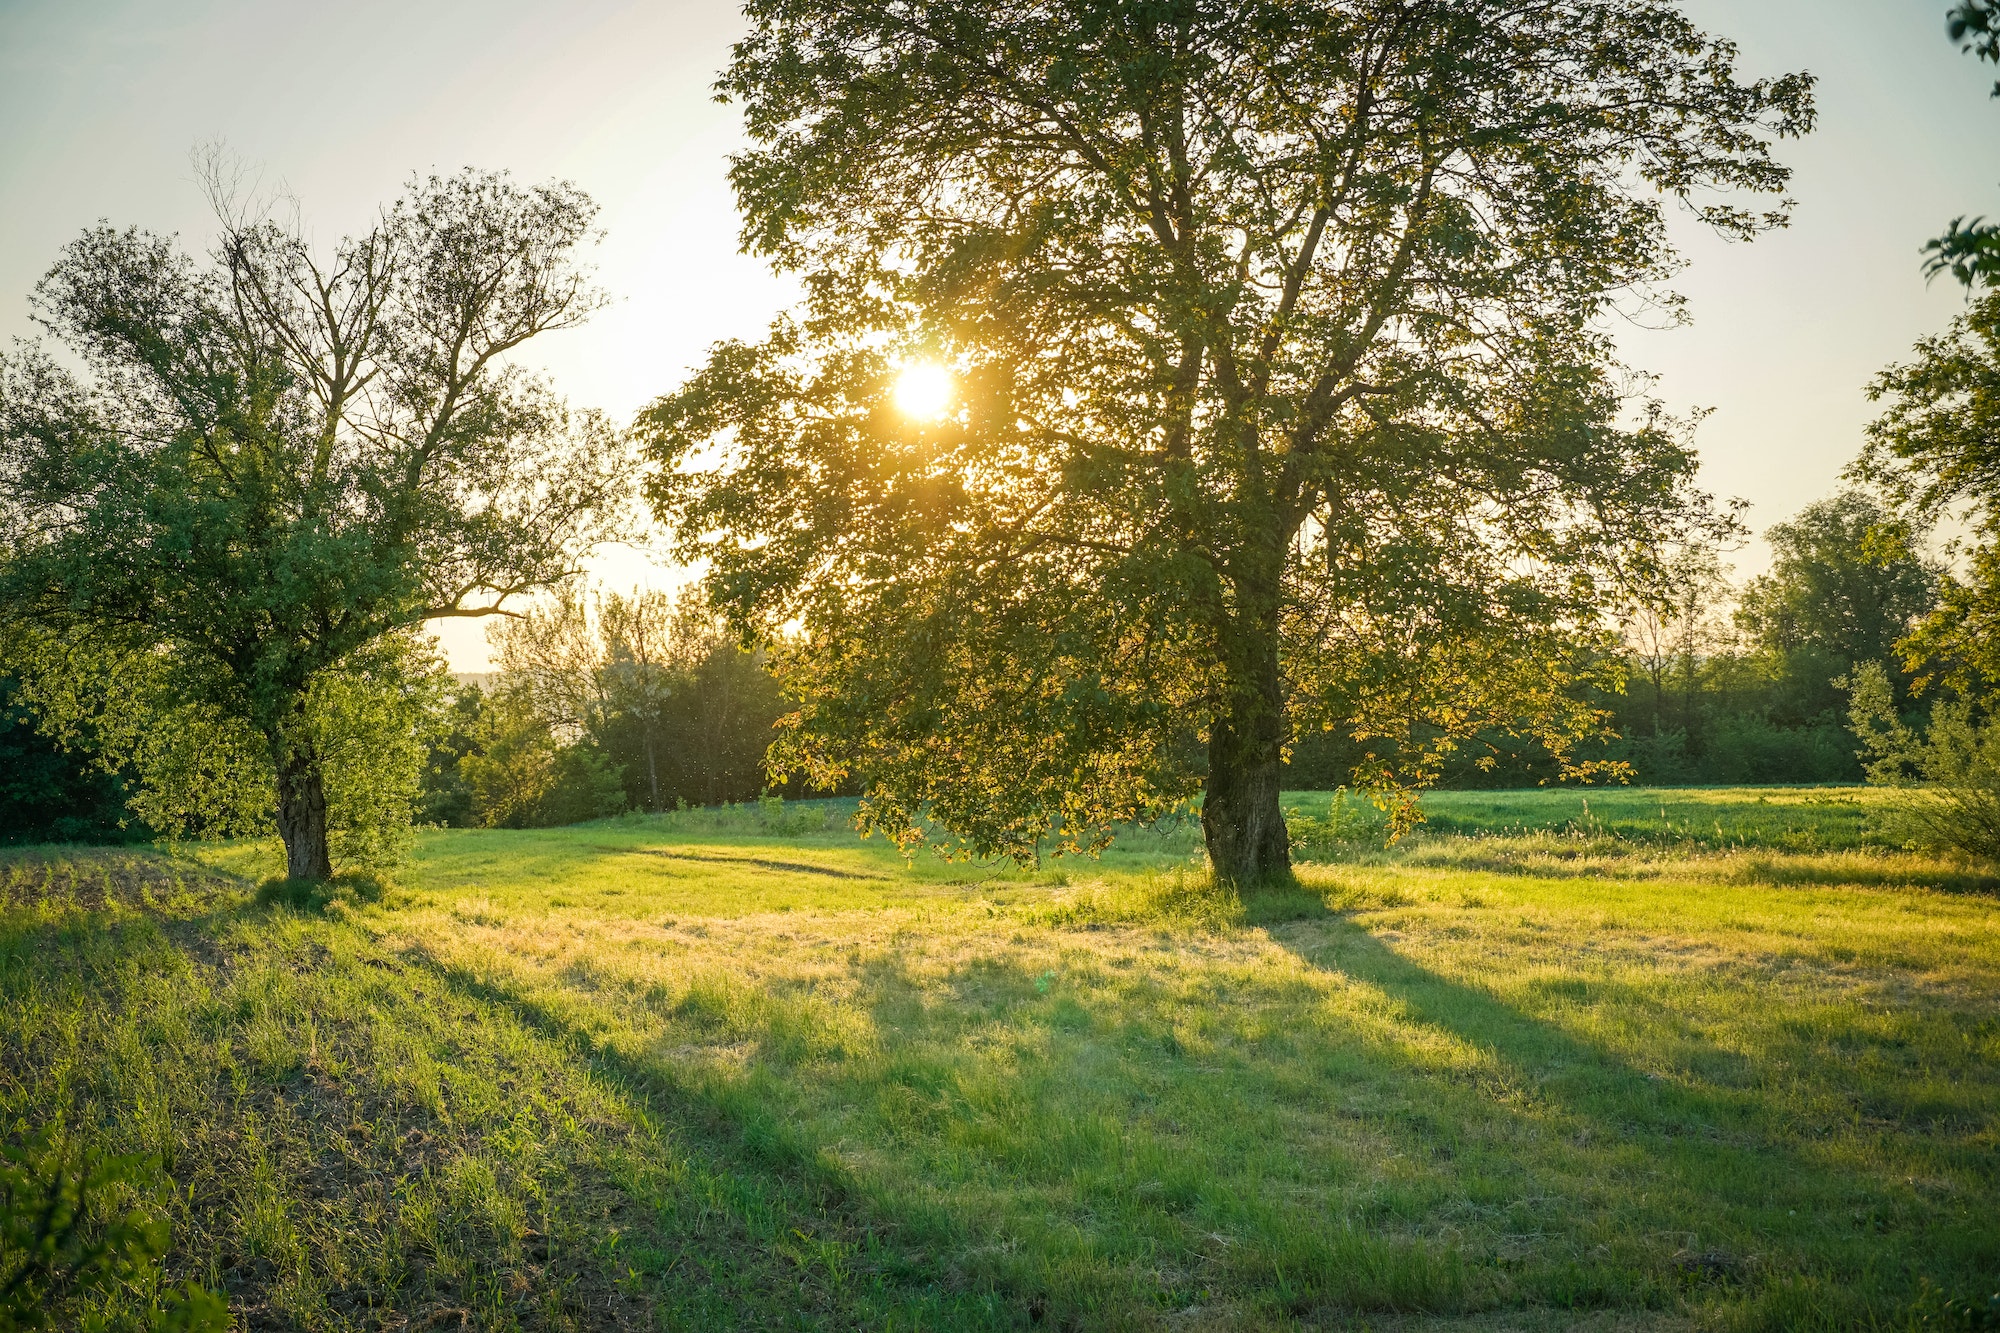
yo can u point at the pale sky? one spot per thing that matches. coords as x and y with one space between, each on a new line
102 100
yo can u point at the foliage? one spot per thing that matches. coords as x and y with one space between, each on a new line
49 794
1350 819
1970 249
201 773
1844 581
372 721
1281 395
281 458
781 822
656 686
1951 768
1680 626
74 1228
1936 449
523 776
1721 683
444 797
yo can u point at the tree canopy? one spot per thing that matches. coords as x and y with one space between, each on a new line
272 464
1281 392
1842 583
1935 452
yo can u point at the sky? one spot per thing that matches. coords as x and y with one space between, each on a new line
102 101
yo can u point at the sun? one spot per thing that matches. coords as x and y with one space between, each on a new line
923 390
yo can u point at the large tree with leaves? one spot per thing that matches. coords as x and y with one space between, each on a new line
1843 581
1283 393
276 463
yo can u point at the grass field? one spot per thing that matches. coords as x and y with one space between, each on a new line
1674 1060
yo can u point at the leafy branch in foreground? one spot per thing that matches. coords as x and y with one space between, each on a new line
1935 453
66 1230
281 460
1282 396
1969 250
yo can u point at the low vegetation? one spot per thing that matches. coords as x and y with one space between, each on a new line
1623 1059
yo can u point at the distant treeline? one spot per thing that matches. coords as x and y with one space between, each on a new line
1730 683
638 703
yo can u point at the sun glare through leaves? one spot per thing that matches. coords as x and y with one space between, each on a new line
923 391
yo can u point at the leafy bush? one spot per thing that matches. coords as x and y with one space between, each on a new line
523 777
776 819
1951 769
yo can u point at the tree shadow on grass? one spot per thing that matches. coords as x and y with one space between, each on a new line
767 1196
1708 1166
1100 1141
733 1227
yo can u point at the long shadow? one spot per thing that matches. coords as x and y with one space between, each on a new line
1595 1131
788 1186
1708 1127
1691 1163
821 1256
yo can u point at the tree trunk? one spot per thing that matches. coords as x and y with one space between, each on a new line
652 768
1240 814
302 815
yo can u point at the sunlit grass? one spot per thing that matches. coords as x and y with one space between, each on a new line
737 1076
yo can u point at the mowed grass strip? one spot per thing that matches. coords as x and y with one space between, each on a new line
693 1072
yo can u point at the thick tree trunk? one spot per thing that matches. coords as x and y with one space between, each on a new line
302 816
1240 814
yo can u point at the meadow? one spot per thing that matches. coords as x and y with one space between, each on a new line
1606 1059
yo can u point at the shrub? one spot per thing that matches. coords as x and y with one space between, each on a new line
317 895
1951 769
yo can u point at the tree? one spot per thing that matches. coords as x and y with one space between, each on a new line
522 775
1674 630
446 798
1935 451
639 652
1845 587
1280 398
654 684
1970 248
1950 768
279 460
717 720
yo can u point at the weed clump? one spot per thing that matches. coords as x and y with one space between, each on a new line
1351 821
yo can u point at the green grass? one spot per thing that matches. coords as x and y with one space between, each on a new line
1534 1068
